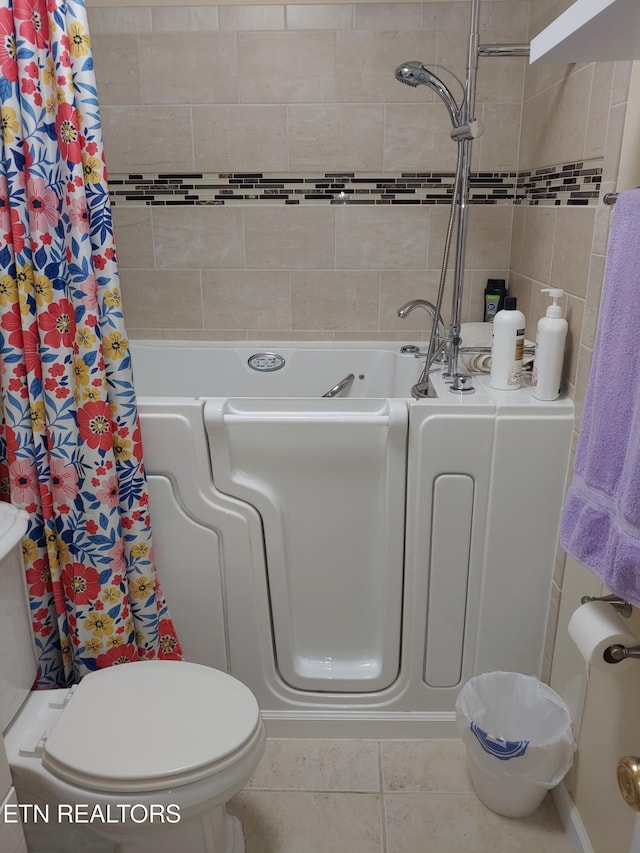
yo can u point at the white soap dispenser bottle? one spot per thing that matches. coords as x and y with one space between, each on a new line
507 347
549 357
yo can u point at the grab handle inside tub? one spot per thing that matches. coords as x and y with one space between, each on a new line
341 386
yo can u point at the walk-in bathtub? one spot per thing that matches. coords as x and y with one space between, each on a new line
353 559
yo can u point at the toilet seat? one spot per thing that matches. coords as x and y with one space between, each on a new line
186 722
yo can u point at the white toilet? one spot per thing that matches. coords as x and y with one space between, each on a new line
138 758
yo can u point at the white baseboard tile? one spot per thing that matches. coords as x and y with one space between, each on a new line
571 820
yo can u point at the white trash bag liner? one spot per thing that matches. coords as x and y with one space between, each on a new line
519 740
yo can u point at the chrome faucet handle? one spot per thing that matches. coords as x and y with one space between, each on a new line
462 384
439 354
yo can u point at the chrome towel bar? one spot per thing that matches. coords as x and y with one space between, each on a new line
612 198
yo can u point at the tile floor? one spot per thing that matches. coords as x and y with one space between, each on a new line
367 796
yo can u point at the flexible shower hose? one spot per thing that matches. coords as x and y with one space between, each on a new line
421 388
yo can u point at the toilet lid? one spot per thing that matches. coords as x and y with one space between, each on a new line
150 725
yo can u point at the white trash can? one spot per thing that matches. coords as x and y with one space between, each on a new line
518 737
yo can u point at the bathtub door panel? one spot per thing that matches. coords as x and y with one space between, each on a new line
451 525
328 479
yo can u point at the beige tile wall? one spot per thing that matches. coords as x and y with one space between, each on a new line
576 112
296 89
570 113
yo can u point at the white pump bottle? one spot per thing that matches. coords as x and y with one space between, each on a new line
547 364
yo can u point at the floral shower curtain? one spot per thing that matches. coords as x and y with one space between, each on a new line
70 447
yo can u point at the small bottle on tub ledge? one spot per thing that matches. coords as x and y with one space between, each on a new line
494 296
507 347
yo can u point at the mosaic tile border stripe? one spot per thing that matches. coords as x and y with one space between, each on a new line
571 184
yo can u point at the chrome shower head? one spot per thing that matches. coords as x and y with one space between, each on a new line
415 74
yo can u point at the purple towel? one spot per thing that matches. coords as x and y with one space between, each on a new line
601 517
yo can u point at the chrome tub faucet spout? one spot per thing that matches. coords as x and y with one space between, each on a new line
442 337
